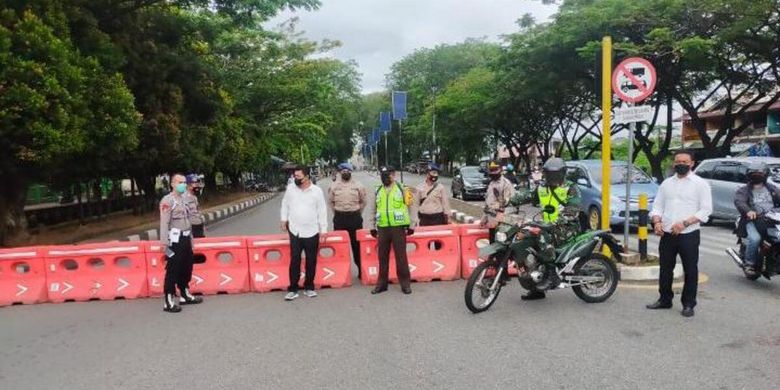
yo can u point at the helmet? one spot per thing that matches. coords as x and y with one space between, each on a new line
192 178
494 168
554 171
757 170
510 167
434 167
344 166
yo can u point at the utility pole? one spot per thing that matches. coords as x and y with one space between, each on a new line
433 126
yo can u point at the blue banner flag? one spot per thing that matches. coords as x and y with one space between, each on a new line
399 105
384 121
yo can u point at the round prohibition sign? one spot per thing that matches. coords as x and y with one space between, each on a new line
634 80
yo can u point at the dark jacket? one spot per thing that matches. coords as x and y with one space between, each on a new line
743 200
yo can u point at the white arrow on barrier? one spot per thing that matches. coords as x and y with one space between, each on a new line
439 266
225 279
22 289
98 285
155 282
122 284
67 288
258 277
329 273
272 278
412 267
198 279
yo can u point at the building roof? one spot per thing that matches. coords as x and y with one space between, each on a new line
717 109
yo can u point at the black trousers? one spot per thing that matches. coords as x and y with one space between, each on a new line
687 246
395 236
432 219
198 231
351 221
178 268
299 245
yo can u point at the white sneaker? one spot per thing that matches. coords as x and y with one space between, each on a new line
310 293
290 296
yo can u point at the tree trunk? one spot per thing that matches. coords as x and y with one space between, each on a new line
13 196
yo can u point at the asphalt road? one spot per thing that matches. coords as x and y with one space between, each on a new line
349 339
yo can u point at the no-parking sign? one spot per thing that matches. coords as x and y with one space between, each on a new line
634 80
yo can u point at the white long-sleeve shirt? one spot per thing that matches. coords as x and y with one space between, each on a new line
305 211
681 198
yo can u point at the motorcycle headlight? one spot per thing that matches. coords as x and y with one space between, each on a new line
500 236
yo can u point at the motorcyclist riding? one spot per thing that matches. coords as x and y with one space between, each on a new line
753 201
554 197
510 174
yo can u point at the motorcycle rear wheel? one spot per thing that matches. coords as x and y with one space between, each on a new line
479 295
596 265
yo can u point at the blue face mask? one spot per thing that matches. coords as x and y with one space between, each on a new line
181 187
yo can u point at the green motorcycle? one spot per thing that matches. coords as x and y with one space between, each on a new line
547 256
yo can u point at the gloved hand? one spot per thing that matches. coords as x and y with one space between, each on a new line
409 231
373 233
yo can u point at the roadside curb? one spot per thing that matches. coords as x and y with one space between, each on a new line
645 274
212 216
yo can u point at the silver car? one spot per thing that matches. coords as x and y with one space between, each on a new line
726 176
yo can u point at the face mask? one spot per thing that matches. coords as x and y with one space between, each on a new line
298 182
495 177
346 176
196 191
433 178
757 179
682 169
181 187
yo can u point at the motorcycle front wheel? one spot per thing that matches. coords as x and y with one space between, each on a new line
483 286
605 278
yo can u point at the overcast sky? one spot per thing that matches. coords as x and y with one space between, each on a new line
377 33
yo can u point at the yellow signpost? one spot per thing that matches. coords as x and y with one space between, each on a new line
606 144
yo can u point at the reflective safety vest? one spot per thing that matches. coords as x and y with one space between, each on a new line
552 198
391 208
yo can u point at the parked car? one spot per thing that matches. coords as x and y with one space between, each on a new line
469 182
587 176
726 175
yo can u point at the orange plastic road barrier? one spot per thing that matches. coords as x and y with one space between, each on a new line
433 253
224 271
472 238
96 271
269 262
22 276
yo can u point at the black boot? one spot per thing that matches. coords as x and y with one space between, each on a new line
170 304
188 299
533 295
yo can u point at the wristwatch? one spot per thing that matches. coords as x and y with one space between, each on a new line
685 223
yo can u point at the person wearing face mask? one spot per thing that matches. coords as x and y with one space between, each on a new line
348 199
499 193
191 199
176 238
753 201
391 222
434 199
683 202
304 217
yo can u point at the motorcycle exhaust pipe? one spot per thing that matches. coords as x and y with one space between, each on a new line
734 256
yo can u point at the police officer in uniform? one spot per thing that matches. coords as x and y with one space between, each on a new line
176 238
196 218
433 199
551 198
348 199
499 193
391 223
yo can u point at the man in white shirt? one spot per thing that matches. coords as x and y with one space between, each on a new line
305 218
683 202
